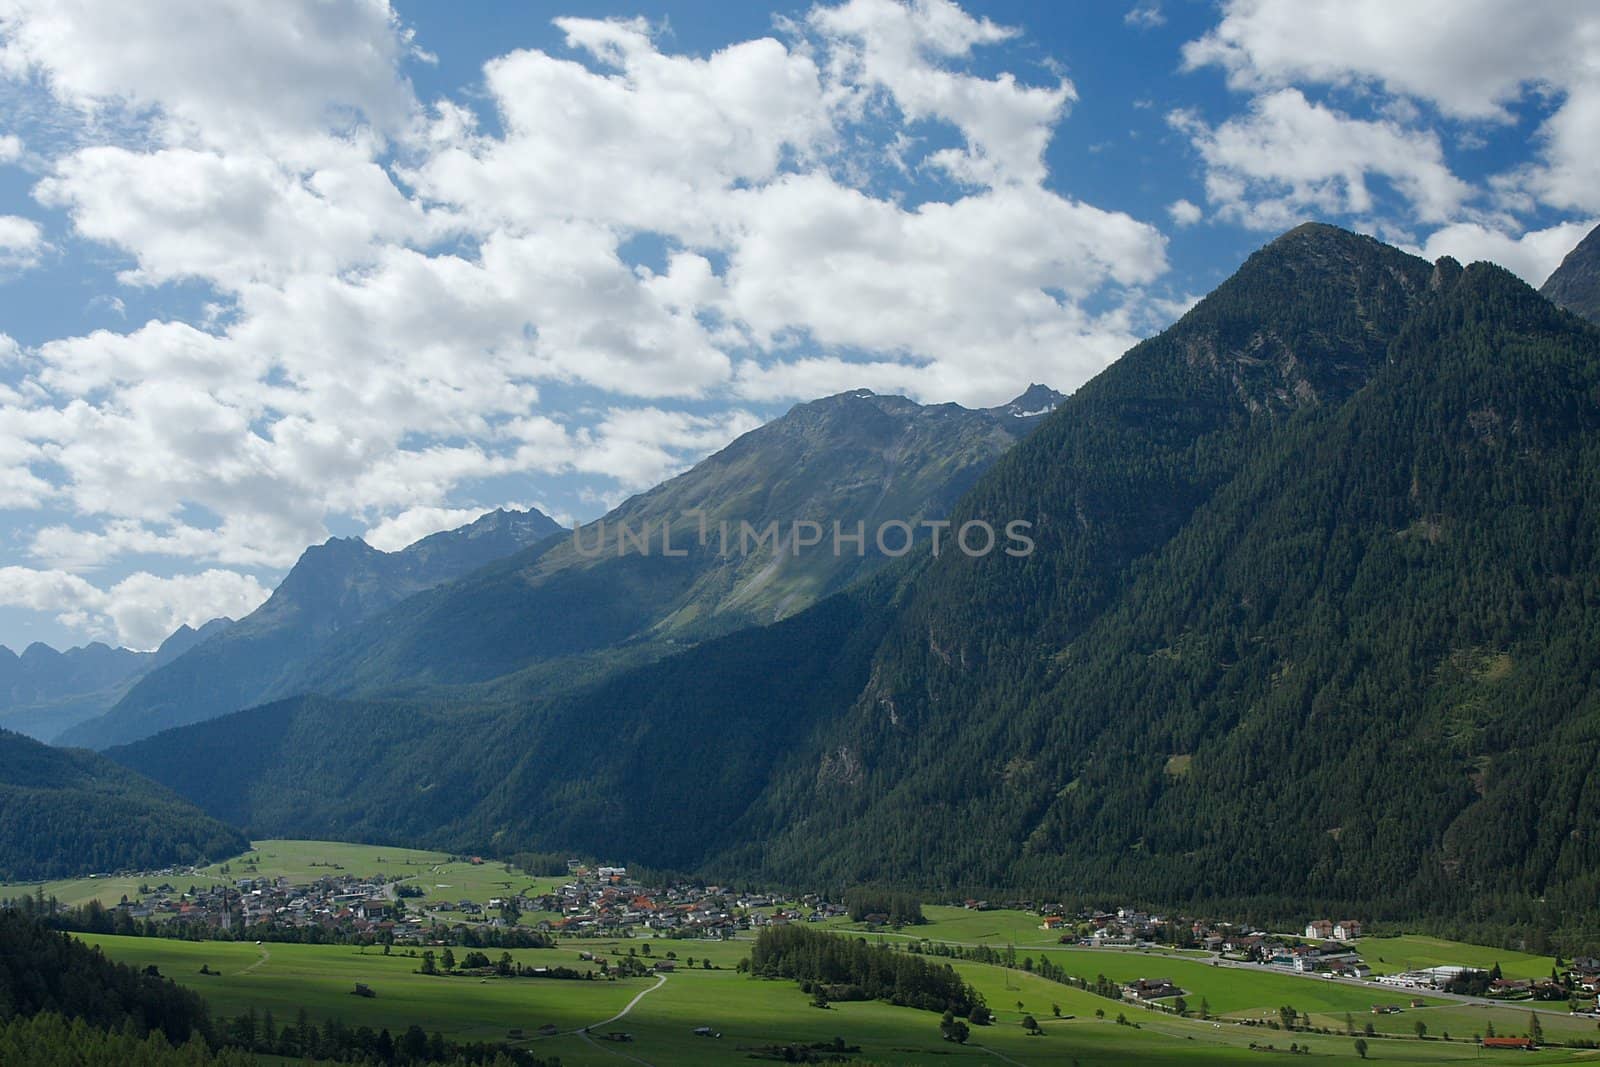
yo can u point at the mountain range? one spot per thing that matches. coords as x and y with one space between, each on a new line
347 619
44 692
333 586
1309 616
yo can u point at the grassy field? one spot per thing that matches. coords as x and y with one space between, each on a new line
1390 955
440 877
752 1013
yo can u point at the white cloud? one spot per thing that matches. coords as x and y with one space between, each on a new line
1145 16
1289 157
1532 255
413 524
1184 213
394 289
231 218
901 48
139 611
10 148
291 76
21 243
1474 60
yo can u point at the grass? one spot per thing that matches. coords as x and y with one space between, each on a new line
751 1013
440 877
1410 952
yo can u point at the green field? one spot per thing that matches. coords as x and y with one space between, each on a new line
306 861
1390 955
751 1013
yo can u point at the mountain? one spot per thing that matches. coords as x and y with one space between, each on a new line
1575 285
44 692
333 586
570 607
69 813
1312 620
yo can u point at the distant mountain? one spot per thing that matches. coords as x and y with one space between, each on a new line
1575 285
855 459
44 692
333 586
70 813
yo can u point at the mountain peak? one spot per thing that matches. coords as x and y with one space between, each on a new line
1034 402
1575 285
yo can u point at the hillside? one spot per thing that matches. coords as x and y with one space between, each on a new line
1575 285
852 458
71 813
333 586
44 692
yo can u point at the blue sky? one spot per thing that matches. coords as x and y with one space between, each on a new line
271 273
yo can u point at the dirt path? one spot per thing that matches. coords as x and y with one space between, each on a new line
661 980
265 956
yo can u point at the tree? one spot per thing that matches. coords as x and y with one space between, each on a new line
1030 1024
1055 1009
1535 1031
1361 1047
1488 1031
1422 1029
1349 1023
448 960
980 1015
428 965
1181 1006
1205 1008
819 999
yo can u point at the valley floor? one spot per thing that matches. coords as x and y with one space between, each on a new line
756 1018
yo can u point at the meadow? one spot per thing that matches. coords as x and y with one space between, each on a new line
440 876
752 1014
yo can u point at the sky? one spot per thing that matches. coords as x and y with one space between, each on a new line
275 272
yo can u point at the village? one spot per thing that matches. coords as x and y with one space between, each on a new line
605 902
380 909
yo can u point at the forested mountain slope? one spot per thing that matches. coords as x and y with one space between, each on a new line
1312 616
68 813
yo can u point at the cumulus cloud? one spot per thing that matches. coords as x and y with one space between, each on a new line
413 524
21 243
10 148
1482 58
394 286
1533 255
139 611
1288 157
1184 213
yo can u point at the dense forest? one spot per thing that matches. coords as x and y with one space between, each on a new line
848 968
1311 624
42 970
63 1002
68 813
